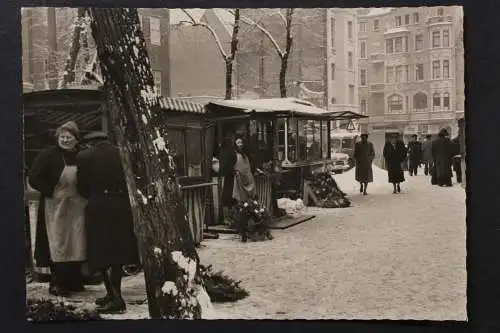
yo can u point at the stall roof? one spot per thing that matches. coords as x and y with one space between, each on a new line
283 105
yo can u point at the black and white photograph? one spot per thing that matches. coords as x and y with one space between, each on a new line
244 163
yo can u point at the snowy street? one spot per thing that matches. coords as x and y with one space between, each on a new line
389 256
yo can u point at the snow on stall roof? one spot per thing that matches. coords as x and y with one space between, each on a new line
289 104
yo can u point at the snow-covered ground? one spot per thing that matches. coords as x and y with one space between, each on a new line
389 256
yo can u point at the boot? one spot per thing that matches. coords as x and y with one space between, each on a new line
57 286
399 188
101 301
116 305
361 188
364 189
74 277
394 191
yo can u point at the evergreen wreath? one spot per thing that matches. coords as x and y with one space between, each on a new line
220 287
328 192
250 220
42 310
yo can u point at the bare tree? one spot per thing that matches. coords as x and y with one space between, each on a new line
228 57
282 51
171 264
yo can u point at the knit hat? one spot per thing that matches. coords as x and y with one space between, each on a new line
71 127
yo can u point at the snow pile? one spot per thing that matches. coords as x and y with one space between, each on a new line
347 180
292 207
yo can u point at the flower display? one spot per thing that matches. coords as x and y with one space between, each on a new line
250 219
329 195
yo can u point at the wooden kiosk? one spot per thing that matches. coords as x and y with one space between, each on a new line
44 111
294 133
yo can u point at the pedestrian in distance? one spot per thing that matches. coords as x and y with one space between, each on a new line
442 154
414 155
364 153
394 155
427 154
60 232
112 243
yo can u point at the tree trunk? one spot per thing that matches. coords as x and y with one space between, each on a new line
69 70
52 41
230 60
171 264
286 54
229 79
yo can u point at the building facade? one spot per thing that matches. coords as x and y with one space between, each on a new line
410 71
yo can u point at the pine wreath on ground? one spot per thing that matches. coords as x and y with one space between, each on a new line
47 310
220 287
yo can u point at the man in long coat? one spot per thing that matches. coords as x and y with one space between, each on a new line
442 154
414 155
364 153
427 154
110 235
394 154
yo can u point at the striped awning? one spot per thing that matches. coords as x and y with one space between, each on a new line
180 105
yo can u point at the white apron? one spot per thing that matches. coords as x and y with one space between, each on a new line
244 184
65 220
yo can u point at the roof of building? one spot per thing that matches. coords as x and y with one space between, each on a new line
379 11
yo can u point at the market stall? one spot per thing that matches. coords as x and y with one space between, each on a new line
294 134
187 131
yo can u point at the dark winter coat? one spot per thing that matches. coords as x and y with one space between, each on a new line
394 157
227 161
110 232
442 154
364 153
43 177
415 152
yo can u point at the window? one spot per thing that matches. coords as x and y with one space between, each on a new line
436 36
332 67
349 30
362 105
436 68
332 31
399 44
389 46
446 69
405 43
390 74
407 73
399 73
155 31
351 94
349 60
419 72
440 11
407 19
398 21
446 38
419 42
176 143
194 152
420 101
363 26
446 100
157 81
376 25
436 100
363 77
395 103
416 18
362 49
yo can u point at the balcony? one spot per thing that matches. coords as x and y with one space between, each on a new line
377 88
377 58
436 20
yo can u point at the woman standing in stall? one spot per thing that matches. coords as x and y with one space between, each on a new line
60 233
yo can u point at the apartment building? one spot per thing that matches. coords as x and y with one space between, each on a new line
410 71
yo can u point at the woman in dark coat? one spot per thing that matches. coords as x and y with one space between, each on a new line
110 233
364 153
395 155
60 232
442 154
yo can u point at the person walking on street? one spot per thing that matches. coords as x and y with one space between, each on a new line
457 159
112 243
364 153
414 155
60 232
442 154
395 154
427 154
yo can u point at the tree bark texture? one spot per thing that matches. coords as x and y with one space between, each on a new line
286 54
52 41
171 264
230 60
69 70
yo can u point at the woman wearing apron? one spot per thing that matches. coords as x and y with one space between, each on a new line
60 236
